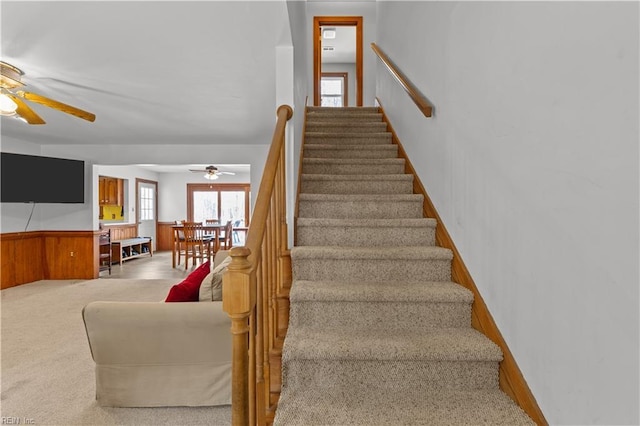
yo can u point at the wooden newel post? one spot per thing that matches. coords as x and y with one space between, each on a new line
238 301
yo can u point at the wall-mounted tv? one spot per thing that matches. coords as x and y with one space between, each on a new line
35 179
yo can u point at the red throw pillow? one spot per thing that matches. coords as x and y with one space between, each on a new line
189 289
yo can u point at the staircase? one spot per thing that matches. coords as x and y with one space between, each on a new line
378 333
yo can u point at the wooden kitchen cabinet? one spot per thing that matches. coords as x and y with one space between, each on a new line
110 191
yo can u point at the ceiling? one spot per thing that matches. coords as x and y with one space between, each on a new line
153 72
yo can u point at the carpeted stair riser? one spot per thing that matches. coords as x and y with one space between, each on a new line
394 375
365 232
350 151
371 264
340 206
444 358
357 184
341 111
380 291
349 127
344 166
347 138
342 406
356 316
372 117
361 305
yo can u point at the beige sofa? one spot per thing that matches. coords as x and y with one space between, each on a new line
151 354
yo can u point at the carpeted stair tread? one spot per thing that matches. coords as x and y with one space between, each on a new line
430 344
382 147
385 150
347 138
371 253
361 206
341 110
369 117
353 165
357 184
378 407
348 127
370 178
417 291
365 223
365 232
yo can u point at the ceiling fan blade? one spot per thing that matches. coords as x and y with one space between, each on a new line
226 173
57 105
25 112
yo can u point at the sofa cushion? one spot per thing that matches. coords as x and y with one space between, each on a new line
219 257
211 287
187 290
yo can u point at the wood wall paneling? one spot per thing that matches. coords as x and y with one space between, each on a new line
164 236
123 231
22 255
69 255
53 255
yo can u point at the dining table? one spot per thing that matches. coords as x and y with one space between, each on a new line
212 228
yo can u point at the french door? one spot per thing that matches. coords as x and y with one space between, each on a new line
223 202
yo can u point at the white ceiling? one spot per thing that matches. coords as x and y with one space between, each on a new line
153 72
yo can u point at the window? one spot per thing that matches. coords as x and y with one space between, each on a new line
223 202
146 203
333 89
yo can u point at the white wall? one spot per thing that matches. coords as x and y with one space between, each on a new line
299 34
20 217
172 188
532 161
366 9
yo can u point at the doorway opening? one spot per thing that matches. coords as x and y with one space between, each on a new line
326 28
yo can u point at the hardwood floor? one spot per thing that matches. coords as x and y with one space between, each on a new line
157 266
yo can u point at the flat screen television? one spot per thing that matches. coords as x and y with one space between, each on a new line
35 179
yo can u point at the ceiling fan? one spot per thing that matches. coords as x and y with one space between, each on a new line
211 172
11 98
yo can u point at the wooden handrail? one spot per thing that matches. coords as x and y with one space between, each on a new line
254 239
255 292
418 98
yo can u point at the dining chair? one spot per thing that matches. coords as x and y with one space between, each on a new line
211 222
196 244
236 237
178 242
225 240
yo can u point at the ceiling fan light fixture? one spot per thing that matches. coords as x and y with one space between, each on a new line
210 176
7 106
10 76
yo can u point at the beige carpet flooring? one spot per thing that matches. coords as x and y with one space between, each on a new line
47 371
378 332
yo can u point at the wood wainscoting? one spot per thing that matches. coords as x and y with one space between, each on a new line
123 231
48 255
164 236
